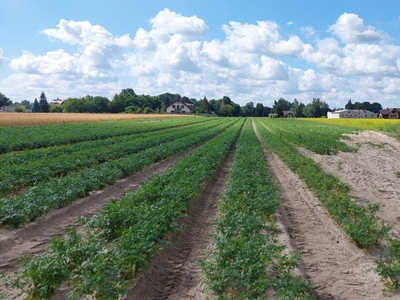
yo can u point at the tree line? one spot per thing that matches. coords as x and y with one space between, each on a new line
127 101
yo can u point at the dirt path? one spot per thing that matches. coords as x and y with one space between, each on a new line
371 173
338 269
173 273
35 236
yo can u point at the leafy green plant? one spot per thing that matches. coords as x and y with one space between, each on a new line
122 237
388 266
246 260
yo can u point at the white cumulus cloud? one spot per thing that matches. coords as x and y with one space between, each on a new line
350 28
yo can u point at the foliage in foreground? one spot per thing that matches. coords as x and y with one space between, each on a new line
246 260
61 191
388 266
121 239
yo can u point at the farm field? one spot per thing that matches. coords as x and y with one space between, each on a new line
27 119
177 208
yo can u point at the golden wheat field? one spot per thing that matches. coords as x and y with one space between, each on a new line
21 119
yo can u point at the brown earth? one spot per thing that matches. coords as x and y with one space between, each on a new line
174 273
335 265
35 236
337 268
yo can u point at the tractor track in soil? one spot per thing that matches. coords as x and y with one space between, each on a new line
173 273
335 265
35 237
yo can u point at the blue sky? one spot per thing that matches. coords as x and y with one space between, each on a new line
249 50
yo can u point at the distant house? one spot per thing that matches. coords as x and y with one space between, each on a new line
352 113
179 107
272 115
57 101
287 114
389 113
7 108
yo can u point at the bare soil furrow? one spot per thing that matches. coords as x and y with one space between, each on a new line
173 273
34 237
338 269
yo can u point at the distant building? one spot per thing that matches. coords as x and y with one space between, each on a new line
57 101
287 114
352 113
7 108
389 113
179 107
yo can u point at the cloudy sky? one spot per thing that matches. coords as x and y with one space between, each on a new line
253 50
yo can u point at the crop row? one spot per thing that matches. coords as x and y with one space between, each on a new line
122 237
31 137
358 222
317 137
246 260
61 191
23 168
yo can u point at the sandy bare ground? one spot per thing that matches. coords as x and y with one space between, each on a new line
335 265
371 173
35 236
174 273
338 269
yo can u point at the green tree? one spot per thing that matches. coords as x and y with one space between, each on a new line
18 108
316 109
297 109
56 108
376 107
280 106
101 104
117 104
349 105
358 105
4 101
267 111
43 104
260 110
74 105
203 107
35 107
227 110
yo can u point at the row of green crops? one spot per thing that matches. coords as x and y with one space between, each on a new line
23 168
61 191
358 222
31 137
246 260
123 236
317 137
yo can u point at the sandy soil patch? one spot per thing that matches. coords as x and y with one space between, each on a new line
338 269
373 172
